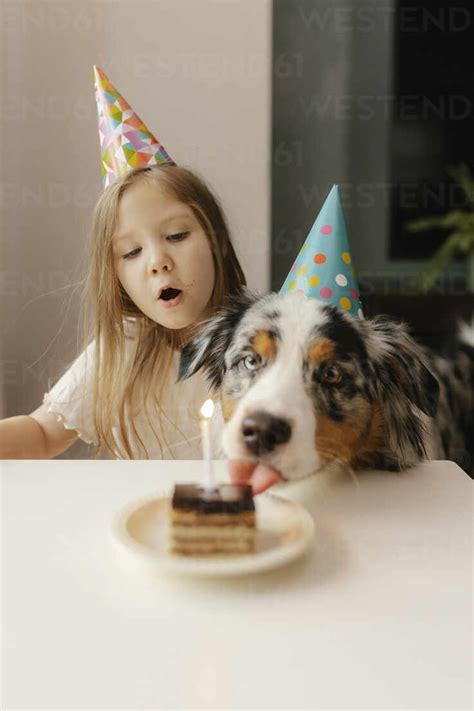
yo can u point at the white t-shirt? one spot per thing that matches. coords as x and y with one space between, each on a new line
180 421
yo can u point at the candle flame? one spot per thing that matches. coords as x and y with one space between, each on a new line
207 409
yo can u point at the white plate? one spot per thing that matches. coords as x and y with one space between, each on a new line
284 531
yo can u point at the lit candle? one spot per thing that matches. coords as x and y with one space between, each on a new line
206 415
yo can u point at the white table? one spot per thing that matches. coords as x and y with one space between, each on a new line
377 616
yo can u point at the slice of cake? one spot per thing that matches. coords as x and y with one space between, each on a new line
208 521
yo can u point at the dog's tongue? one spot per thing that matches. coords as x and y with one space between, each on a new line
259 476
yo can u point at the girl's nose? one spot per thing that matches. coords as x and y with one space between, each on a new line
160 261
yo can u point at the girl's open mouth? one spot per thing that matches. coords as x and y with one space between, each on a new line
170 297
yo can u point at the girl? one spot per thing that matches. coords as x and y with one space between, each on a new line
161 263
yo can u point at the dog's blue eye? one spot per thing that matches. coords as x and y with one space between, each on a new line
252 363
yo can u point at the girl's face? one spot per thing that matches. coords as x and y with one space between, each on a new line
162 257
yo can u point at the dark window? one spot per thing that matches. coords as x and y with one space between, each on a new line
433 122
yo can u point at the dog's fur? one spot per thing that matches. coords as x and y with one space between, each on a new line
331 388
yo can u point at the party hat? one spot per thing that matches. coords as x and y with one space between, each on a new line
323 268
125 141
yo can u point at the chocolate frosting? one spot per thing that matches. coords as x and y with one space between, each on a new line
223 498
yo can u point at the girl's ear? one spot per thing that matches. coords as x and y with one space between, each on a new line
208 348
400 366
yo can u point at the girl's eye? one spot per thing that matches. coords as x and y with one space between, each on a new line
252 363
178 237
133 253
331 375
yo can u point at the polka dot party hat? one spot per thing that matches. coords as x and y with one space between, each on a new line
323 268
125 141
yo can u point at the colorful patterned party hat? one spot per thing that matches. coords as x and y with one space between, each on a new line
323 268
125 141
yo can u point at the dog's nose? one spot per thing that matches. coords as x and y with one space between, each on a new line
263 432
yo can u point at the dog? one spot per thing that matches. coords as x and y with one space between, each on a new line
304 385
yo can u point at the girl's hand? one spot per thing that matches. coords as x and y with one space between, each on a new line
258 475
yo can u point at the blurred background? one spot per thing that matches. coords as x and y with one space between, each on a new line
378 97
272 103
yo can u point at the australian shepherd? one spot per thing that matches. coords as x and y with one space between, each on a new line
304 385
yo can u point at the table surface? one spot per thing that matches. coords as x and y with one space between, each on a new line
377 615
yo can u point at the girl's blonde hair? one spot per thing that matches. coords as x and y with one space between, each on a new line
109 312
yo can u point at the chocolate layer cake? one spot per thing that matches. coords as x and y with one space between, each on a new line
207 521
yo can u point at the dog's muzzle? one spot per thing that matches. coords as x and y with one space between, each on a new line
262 432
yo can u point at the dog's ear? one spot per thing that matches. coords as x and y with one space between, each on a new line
400 366
399 379
207 349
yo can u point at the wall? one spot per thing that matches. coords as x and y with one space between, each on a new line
311 71
332 112
196 71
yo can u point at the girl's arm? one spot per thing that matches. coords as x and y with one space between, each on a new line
35 436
